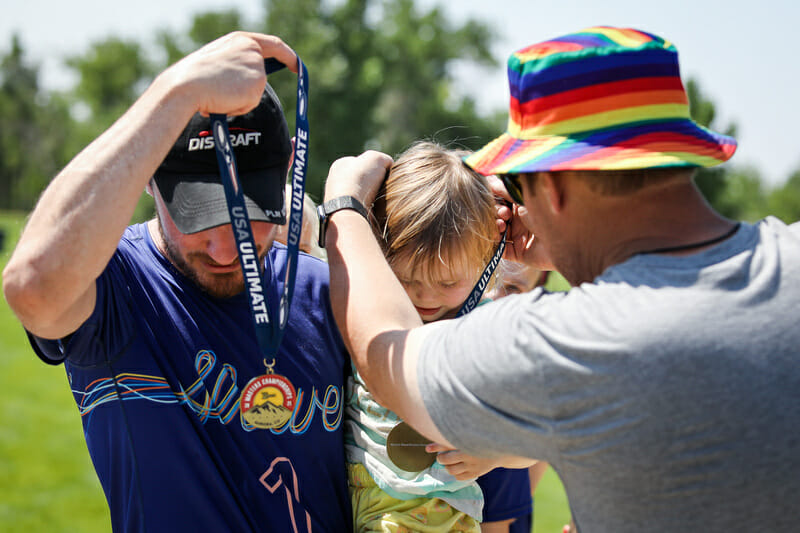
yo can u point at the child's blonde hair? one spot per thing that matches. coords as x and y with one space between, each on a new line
436 213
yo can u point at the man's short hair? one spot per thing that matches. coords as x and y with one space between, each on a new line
622 182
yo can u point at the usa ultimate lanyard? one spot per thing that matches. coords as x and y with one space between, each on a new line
267 401
474 297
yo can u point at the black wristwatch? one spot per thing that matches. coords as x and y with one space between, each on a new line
324 211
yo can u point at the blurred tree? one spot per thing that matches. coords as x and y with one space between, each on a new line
711 181
205 27
380 71
744 196
112 74
34 132
381 76
209 26
784 202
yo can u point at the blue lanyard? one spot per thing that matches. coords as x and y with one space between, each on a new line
474 298
268 332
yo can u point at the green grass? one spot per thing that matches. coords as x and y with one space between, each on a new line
48 482
47 479
551 510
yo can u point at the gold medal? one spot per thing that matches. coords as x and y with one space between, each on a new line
267 401
406 449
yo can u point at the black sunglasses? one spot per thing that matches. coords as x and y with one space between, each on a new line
511 183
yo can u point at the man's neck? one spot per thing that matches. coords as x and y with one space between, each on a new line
154 230
674 220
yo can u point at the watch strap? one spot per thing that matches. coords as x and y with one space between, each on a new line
325 210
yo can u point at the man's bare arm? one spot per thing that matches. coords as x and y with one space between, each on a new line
381 327
77 223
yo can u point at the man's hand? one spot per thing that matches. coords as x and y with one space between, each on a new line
520 239
360 177
227 75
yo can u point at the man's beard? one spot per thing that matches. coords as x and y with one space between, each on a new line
215 285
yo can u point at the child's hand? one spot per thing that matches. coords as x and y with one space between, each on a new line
460 465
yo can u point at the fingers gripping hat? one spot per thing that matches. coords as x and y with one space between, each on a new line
189 181
600 99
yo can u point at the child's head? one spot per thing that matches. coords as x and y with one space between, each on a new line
437 227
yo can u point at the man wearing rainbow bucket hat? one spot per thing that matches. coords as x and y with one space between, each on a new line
663 388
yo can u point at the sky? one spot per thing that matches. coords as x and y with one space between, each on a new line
740 52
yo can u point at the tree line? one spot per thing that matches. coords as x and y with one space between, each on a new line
382 76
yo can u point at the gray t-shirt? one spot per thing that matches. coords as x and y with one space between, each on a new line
666 394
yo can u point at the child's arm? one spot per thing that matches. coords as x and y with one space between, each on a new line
463 466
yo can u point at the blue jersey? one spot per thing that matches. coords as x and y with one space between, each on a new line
158 372
507 494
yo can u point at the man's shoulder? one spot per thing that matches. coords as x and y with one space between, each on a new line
134 239
135 232
778 226
309 268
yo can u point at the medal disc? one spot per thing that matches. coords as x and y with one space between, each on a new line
406 449
267 401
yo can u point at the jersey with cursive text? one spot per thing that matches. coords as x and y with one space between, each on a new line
159 372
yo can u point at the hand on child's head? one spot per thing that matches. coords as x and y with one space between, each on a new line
359 177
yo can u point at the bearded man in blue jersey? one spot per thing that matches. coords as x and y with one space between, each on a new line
189 425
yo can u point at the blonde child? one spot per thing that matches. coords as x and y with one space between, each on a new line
436 220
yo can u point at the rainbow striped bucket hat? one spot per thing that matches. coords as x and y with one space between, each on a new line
600 99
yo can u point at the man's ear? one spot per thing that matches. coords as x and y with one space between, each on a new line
552 187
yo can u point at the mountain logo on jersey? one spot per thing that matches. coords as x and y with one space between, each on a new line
268 401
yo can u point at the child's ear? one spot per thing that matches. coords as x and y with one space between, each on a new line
149 187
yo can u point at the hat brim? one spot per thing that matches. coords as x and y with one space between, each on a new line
197 202
676 143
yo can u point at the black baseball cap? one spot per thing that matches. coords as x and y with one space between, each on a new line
189 180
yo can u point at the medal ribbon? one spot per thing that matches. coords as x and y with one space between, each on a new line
268 332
